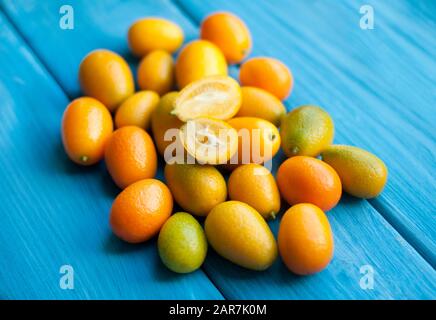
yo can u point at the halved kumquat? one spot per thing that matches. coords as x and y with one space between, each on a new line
218 97
208 140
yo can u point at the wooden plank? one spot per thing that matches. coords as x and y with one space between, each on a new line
100 24
325 75
362 240
362 235
55 213
377 84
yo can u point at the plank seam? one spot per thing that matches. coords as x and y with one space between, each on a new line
33 51
191 18
214 283
392 216
186 13
45 68
379 208
414 243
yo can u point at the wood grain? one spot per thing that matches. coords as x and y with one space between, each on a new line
324 76
304 37
55 213
377 84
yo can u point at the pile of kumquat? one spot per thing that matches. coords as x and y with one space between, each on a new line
206 125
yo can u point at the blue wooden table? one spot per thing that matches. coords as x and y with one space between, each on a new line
378 85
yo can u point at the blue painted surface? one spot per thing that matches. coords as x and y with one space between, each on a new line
377 84
55 213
